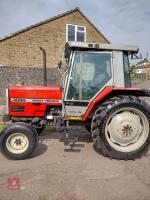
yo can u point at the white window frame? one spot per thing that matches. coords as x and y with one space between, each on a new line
76 31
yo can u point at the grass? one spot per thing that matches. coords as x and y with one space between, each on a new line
49 129
2 126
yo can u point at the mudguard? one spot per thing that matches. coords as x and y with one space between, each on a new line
113 91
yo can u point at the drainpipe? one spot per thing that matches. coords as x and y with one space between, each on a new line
44 66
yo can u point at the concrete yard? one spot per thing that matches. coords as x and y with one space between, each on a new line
81 174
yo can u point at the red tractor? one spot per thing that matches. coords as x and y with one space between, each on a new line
95 92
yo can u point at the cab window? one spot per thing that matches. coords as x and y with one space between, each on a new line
90 72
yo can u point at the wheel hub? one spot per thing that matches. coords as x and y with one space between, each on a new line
124 128
17 143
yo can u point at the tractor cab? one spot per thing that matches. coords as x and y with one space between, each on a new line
93 67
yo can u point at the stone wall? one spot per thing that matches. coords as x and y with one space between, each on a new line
10 76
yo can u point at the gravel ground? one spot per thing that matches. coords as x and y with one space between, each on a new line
56 172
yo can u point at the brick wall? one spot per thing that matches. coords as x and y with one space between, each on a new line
23 49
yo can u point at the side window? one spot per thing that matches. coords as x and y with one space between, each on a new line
126 70
75 33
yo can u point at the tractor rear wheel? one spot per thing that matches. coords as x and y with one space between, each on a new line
18 141
121 128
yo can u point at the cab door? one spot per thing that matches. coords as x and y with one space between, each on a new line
90 72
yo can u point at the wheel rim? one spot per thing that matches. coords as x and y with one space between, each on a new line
17 143
127 129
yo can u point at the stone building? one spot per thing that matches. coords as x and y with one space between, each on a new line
20 56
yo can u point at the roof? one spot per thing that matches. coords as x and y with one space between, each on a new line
85 45
51 19
145 60
143 64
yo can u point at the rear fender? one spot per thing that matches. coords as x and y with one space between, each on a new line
109 92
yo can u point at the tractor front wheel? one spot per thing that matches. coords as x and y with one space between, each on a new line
18 141
121 127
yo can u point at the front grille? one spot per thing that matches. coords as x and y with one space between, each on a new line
17 108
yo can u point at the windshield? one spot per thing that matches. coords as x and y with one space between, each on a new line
90 72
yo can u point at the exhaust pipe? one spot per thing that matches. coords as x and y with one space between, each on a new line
44 66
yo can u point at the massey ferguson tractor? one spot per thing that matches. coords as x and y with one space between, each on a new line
95 92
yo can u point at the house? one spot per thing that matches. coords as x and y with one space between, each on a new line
20 55
142 67
22 48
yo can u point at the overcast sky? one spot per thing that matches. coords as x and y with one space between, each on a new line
121 21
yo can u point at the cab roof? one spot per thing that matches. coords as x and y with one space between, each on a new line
99 46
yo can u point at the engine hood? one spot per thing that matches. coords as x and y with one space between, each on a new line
36 92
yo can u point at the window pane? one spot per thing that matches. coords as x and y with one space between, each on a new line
80 36
80 28
90 73
126 70
71 33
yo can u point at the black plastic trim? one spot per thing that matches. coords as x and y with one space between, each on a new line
76 103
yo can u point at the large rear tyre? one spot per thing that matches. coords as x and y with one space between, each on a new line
121 128
18 141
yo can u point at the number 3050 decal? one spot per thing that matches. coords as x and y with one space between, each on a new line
36 100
